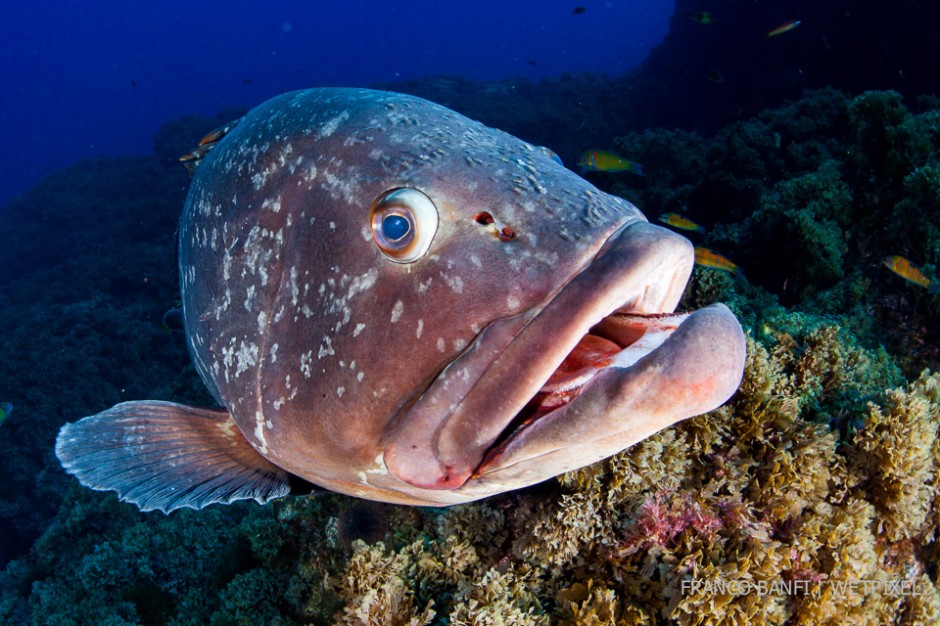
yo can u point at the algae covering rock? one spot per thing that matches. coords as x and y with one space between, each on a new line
753 514
812 497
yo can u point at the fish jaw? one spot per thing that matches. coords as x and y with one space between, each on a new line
462 433
696 369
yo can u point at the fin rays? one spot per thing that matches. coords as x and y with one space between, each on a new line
165 456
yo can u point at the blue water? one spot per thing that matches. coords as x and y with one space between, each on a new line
99 78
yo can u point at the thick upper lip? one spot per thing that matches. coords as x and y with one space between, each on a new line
443 438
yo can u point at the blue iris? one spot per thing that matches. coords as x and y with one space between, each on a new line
394 227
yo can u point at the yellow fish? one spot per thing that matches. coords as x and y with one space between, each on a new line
784 28
602 161
908 271
710 258
680 221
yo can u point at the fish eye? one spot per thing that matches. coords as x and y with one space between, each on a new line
404 222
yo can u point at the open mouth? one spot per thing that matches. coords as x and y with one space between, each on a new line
618 341
630 376
529 372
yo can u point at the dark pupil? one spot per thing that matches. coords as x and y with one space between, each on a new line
394 227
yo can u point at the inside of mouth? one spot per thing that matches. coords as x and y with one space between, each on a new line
619 340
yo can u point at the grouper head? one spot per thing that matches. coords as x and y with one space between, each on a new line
392 301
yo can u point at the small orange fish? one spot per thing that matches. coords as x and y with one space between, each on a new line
784 28
908 271
710 258
217 134
602 161
191 159
680 221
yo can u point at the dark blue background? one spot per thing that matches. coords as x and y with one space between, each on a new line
84 78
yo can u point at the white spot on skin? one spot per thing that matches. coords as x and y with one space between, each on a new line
512 302
259 432
420 329
262 321
305 363
258 253
227 266
247 356
397 310
441 344
460 344
258 179
379 463
311 174
345 186
274 353
358 329
360 376
285 153
326 348
340 391
330 126
274 205
454 282
294 288
362 283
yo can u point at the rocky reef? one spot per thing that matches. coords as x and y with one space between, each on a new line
812 497
808 199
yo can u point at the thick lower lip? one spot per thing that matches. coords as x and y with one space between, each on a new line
641 271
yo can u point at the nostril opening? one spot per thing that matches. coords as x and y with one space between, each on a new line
484 218
506 234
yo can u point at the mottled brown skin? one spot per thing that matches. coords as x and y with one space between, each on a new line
394 381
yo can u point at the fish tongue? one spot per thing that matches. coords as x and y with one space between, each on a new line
620 339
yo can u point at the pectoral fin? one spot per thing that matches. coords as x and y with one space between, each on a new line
166 456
